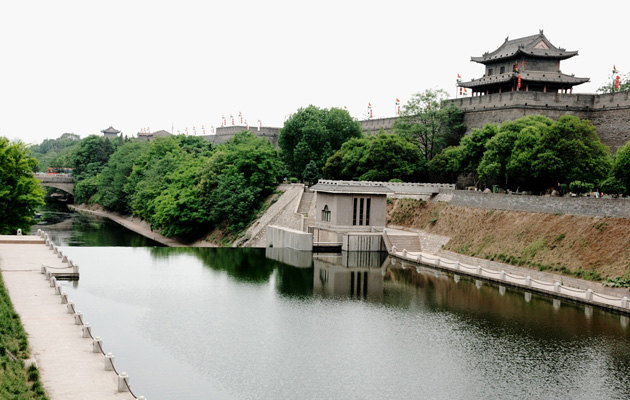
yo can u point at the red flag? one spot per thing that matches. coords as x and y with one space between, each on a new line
369 105
397 100
459 76
614 69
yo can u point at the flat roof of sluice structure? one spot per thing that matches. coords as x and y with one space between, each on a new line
350 187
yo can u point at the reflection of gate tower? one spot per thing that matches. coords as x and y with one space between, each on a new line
354 274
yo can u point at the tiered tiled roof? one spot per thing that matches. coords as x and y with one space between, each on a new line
535 46
530 76
111 130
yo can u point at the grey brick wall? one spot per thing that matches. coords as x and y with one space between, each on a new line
589 206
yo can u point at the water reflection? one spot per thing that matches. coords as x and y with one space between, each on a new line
349 274
68 228
255 323
246 264
232 323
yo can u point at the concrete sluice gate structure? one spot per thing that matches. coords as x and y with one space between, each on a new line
352 216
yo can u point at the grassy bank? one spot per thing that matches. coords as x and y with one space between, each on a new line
16 380
593 248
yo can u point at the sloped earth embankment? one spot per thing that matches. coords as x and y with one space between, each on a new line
586 247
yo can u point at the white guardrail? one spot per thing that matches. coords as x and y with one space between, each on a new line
557 288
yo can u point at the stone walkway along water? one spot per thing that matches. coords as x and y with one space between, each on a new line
69 369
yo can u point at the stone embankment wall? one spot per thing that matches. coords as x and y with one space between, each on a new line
281 213
588 206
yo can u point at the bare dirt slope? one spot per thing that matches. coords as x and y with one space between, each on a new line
587 247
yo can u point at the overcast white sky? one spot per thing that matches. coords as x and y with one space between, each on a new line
81 66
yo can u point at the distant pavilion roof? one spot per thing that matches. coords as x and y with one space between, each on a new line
536 45
111 130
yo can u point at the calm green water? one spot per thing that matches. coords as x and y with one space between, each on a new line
190 323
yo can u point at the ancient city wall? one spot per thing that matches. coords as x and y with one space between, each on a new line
609 113
372 126
226 133
589 206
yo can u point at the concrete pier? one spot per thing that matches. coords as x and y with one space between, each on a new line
69 369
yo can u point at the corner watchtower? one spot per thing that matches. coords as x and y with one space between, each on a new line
530 64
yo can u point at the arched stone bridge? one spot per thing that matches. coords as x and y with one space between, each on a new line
62 182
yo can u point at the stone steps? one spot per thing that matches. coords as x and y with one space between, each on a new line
307 200
406 242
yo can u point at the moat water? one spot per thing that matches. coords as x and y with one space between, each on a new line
229 323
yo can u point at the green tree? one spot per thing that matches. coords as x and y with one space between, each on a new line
233 201
55 152
377 158
447 164
237 178
570 150
610 86
180 209
621 167
246 154
113 179
311 173
509 153
613 186
314 134
431 122
20 192
150 174
90 156
85 189
348 162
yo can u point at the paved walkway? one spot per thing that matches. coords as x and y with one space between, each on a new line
69 369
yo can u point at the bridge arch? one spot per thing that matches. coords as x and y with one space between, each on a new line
61 182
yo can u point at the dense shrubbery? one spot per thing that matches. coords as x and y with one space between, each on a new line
181 185
377 158
55 152
531 153
314 134
20 192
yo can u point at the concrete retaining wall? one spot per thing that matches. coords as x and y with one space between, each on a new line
589 206
363 242
278 237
